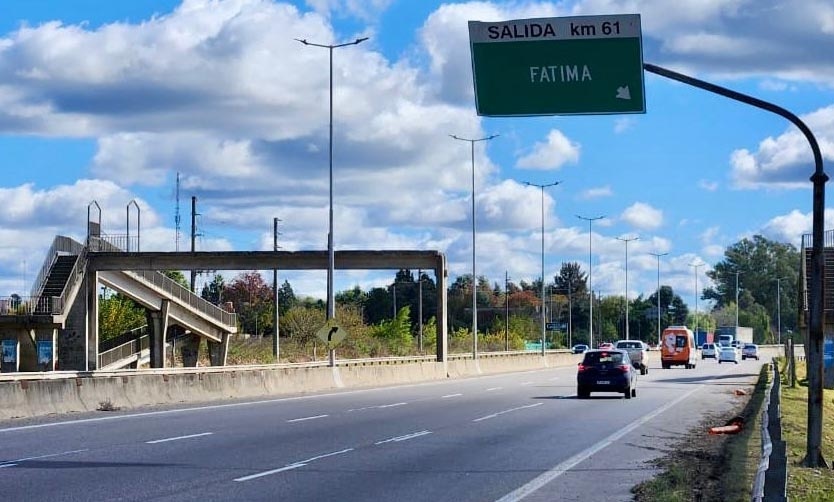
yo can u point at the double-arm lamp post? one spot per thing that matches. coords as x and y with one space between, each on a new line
542 186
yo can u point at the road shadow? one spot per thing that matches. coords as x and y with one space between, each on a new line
705 378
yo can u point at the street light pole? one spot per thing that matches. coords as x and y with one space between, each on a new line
627 240
695 266
737 272
276 344
590 221
474 277
331 254
658 255
542 187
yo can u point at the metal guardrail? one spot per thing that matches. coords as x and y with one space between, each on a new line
771 481
124 351
184 295
30 305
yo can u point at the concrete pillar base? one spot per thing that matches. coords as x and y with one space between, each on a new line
218 351
158 326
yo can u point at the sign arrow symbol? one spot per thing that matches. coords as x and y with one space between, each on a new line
623 92
333 331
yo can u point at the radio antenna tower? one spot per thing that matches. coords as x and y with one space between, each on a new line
177 216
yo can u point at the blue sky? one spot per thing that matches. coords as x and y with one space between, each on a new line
108 101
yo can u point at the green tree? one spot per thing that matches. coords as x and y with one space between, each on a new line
213 291
178 277
759 263
118 314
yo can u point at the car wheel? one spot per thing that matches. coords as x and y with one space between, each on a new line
582 393
628 393
736 362
719 361
633 392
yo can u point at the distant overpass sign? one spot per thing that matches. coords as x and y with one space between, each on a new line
558 66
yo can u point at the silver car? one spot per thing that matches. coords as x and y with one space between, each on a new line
728 355
751 351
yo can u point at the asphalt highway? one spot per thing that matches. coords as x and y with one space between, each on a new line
518 436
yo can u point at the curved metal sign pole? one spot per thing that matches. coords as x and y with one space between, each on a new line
813 456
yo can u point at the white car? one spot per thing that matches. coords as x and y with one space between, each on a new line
709 350
728 354
751 351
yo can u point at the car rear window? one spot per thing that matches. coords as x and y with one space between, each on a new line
749 346
603 358
629 345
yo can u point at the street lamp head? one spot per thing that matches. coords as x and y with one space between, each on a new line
359 40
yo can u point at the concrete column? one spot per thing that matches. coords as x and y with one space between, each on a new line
91 335
28 360
440 274
189 346
158 326
218 351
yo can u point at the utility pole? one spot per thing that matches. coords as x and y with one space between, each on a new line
276 344
193 237
507 311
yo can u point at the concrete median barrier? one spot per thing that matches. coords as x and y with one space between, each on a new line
31 395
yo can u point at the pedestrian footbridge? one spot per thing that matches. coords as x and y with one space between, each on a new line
56 327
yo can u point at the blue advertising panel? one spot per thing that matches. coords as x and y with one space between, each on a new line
45 350
828 353
9 351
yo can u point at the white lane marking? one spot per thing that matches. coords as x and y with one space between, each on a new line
377 407
526 383
303 419
494 388
450 395
156 441
404 438
11 463
554 378
487 417
294 465
267 473
538 482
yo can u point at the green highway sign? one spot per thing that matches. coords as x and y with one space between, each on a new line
558 66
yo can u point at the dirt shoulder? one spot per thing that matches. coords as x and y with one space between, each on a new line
708 467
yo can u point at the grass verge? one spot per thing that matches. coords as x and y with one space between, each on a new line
805 484
704 467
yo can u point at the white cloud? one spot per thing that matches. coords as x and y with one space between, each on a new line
596 193
643 216
709 186
623 124
551 154
785 161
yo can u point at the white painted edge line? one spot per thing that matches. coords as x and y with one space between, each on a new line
156 441
494 388
403 438
303 419
394 405
487 417
294 465
447 396
10 463
536 483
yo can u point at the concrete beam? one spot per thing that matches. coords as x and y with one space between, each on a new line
262 260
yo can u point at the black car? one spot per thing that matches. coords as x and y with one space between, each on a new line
606 371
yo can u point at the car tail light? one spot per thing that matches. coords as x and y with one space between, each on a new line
581 368
624 368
